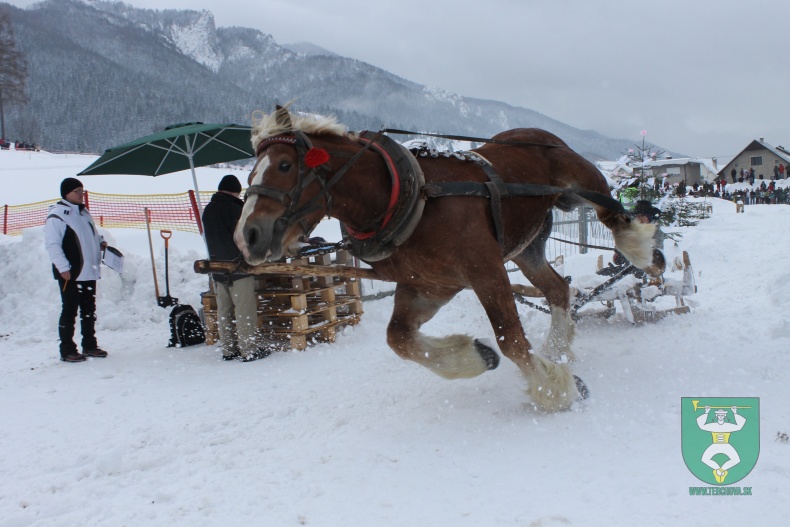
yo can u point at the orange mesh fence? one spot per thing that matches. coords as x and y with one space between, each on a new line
118 211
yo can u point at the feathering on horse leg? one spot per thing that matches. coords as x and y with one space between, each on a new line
557 346
551 386
453 356
532 263
450 357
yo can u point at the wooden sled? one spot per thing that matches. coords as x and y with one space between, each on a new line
637 301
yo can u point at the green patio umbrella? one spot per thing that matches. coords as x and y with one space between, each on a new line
178 147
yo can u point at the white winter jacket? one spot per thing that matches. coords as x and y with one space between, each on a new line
83 240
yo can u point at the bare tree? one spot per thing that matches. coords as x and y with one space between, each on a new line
13 69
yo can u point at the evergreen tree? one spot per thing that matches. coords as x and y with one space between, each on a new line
13 69
640 159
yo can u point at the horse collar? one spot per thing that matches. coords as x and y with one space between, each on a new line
405 205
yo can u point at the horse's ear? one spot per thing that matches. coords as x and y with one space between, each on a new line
282 117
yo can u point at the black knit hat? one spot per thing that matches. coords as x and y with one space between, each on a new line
230 183
69 184
643 206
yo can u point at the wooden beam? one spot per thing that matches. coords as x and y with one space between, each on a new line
207 267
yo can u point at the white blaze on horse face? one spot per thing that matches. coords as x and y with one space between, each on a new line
249 207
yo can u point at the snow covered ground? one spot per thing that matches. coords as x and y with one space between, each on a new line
348 434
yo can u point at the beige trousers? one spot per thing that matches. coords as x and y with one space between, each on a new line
237 316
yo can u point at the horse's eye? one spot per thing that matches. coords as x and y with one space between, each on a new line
285 166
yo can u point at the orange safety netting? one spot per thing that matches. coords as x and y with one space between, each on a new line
118 211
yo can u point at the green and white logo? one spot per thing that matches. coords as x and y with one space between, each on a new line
720 437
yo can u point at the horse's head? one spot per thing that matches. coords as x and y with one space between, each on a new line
287 196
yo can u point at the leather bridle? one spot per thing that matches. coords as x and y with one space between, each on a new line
293 213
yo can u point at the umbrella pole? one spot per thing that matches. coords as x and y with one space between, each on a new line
194 182
197 197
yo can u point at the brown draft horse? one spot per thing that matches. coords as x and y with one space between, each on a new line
454 246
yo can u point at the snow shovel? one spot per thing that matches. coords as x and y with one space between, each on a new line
167 300
151 246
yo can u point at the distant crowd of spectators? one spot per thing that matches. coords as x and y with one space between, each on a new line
5 144
764 196
766 193
780 172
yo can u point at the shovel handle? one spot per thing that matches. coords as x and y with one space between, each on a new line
166 234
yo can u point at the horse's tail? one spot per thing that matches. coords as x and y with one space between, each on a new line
634 240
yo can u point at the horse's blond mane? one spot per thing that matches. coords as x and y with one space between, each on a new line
267 125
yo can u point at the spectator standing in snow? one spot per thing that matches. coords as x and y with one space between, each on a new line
237 305
781 171
74 246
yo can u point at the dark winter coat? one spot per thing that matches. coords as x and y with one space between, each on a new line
219 222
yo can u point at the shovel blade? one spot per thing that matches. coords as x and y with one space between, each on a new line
166 301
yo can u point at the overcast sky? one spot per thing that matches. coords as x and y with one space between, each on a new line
702 77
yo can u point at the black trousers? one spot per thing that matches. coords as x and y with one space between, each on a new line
77 296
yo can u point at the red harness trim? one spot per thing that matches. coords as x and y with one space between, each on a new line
393 196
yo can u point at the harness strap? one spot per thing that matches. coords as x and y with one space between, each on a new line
472 188
496 189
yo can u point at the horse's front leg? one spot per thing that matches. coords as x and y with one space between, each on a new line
551 386
451 357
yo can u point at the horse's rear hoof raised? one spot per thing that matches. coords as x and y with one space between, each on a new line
488 354
584 392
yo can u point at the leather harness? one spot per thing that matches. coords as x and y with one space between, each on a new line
409 193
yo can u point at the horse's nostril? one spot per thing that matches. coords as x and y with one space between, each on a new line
251 236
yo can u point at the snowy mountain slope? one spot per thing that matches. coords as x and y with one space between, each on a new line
125 72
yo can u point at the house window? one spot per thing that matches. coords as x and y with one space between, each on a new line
757 160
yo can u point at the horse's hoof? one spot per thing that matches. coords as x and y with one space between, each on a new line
584 392
488 354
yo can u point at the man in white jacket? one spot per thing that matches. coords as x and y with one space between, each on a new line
74 246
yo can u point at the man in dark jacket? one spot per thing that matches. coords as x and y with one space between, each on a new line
74 246
237 307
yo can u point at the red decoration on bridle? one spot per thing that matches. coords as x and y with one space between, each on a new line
316 157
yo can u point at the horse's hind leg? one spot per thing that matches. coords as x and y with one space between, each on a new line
532 262
451 357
